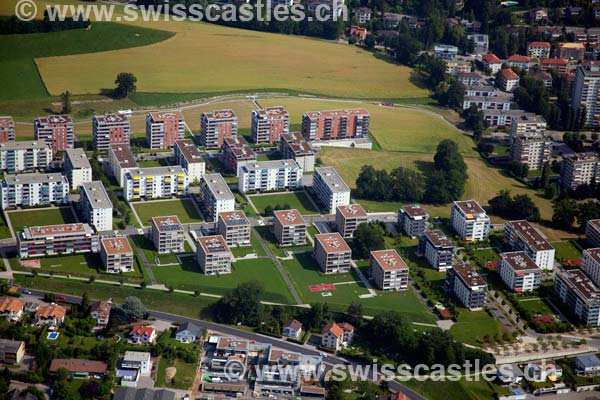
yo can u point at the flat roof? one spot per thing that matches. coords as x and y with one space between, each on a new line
78 158
239 147
438 238
154 171
530 235
332 242
137 356
116 245
520 261
189 150
63 230
593 253
469 207
10 346
352 211
578 281
388 260
333 180
96 194
349 112
225 343
297 144
18 145
234 218
167 223
270 164
218 187
111 118
529 118
414 210
6 122
55 119
289 217
213 244
163 116
275 112
14 179
468 275
123 155
583 157
594 223
220 115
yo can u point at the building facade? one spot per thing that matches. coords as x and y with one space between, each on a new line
591 264
337 124
268 124
527 125
110 129
579 169
155 182
77 167
190 159
592 232
531 150
508 80
519 272
437 249
120 161
163 128
215 196
538 49
293 146
49 240
413 220
330 189
235 228
332 253
116 254
520 235
585 93
56 130
388 270
470 221
24 156
168 234
468 286
579 294
348 218
267 176
7 129
289 228
237 152
28 190
216 126
214 255
95 206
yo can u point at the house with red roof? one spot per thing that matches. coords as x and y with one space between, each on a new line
538 49
142 334
519 61
558 65
491 62
507 80
337 336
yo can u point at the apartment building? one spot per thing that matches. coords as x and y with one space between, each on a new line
28 190
508 80
215 126
56 130
330 189
585 92
458 66
579 294
189 158
591 264
214 255
470 220
155 182
289 228
413 220
531 150
215 196
499 101
558 65
110 129
437 249
163 128
24 156
445 51
49 240
235 228
237 152
266 176
269 123
363 14
388 270
467 285
120 161
77 167
470 78
167 234
481 43
592 232
348 217
527 125
521 62
95 206
575 51
538 49
519 272
336 124
332 253
520 235
579 169
116 254
7 129
484 90
491 62
293 146
501 118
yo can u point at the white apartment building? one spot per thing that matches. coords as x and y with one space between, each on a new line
289 228
592 232
269 123
235 228
77 167
508 80
120 161
519 272
24 156
445 51
531 150
527 125
468 286
29 190
470 220
110 129
167 234
215 196
579 293
116 254
266 176
163 128
214 255
437 249
155 182
585 93
591 264
579 169
49 240
330 189
96 207
189 158
332 253
520 235
389 271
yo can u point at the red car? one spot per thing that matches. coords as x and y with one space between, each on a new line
61 298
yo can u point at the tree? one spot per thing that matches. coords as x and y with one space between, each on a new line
65 98
355 313
367 237
369 42
587 211
447 182
545 179
406 185
519 207
564 213
126 84
474 120
242 305
133 308
318 315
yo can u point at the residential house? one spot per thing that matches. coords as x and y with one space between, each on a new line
292 329
467 285
188 332
11 351
413 220
470 221
79 368
587 365
508 80
437 249
558 65
142 334
521 62
336 336
100 311
11 309
491 62
52 314
544 370
538 49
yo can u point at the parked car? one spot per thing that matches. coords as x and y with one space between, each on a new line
61 298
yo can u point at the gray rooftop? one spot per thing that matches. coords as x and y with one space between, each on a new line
9 346
96 193
332 179
34 178
168 170
270 164
77 158
589 360
136 356
218 187
15 145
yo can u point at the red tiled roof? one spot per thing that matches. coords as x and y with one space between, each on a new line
508 74
78 365
334 328
544 45
518 58
11 304
141 330
491 59
553 61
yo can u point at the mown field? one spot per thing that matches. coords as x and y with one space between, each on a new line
213 59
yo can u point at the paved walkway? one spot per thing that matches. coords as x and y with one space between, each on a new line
147 264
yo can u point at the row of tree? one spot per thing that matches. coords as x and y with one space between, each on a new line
13 25
568 211
520 206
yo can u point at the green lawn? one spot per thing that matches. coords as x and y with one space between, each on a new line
184 376
537 306
295 200
473 325
254 248
187 276
147 247
269 238
482 256
4 231
183 208
19 75
463 390
47 216
566 250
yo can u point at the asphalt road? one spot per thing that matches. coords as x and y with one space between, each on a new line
329 360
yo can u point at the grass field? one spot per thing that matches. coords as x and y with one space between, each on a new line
464 390
537 306
566 250
47 216
19 76
473 325
188 276
266 233
297 200
184 377
183 208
